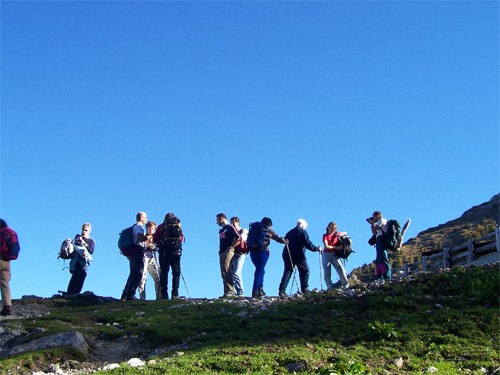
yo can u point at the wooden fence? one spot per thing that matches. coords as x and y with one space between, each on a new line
464 254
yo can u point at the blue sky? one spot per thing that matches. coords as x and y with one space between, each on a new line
319 110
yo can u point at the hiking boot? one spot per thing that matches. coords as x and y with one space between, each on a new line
282 293
128 295
6 310
256 294
305 291
262 293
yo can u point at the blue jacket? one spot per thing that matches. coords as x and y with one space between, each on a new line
298 242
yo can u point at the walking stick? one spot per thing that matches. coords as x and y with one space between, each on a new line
185 285
294 269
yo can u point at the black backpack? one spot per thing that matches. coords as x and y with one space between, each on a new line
393 236
257 234
67 249
171 236
346 247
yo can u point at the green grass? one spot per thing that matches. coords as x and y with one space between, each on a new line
447 320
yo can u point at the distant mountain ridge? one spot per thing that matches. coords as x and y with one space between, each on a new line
474 223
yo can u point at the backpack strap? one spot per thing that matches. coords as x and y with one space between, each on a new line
135 243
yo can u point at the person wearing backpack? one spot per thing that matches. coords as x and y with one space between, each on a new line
240 253
8 243
228 240
169 238
329 258
295 255
84 245
379 228
136 257
260 235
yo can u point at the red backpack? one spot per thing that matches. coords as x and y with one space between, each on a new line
9 244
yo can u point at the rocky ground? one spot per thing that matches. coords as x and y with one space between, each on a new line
102 354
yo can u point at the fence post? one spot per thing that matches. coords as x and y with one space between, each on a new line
446 257
470 249
424 263
497 237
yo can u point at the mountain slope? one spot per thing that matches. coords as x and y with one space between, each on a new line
474 223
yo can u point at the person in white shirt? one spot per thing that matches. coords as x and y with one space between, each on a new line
382 264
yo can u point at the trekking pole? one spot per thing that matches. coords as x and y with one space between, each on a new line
185 285
294 270
320 276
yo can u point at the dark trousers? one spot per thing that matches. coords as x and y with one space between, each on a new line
135 276
382 263
301 263
77 279
170 258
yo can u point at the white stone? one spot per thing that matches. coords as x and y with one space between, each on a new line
135 362
399 362
111 366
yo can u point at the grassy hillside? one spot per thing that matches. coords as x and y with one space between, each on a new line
445 320
474 223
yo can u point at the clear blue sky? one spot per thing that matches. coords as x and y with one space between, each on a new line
320 110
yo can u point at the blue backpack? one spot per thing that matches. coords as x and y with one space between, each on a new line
126 240
257 235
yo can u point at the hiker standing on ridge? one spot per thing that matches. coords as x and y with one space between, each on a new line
7 236
169 238
136 258
329 258
379 228
80 262
295 255
259 238
150 264
228 240
240 253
